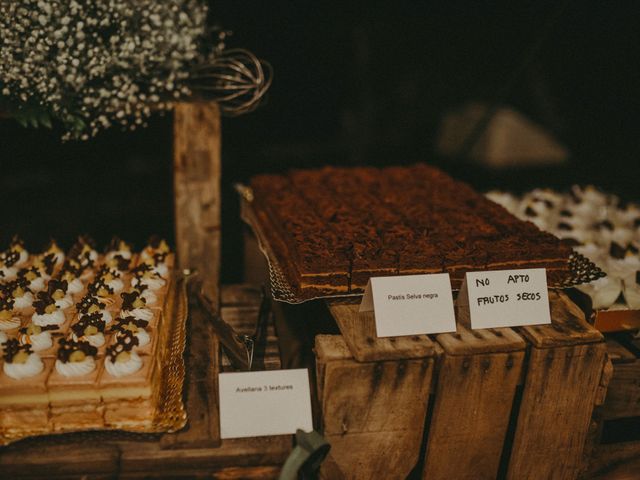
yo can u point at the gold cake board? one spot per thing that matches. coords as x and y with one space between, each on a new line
170 414
579 268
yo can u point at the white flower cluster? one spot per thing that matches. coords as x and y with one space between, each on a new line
98 63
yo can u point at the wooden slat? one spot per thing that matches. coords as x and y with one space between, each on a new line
203 424
359 331
606 457
373 412
240 294
490 340
137 457
555 412
477 380
568 325
20 461
471 414
196 161
618 353
623 395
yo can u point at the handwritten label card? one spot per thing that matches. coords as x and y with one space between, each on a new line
273 402
506 298
410 304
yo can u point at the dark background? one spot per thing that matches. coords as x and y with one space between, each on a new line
355 82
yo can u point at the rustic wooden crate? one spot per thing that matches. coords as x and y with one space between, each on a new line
615 432
512 403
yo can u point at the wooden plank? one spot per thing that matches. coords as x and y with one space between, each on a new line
490 340
623 394
555 411
568 325
372 412
241 294
143 457
477 380
203 424
605 458
383 459
228 473
197 170
36 460
359 331
618 353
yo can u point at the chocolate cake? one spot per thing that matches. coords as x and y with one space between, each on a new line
332 229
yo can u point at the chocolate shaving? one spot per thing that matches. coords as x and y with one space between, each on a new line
565 213
42 302
87 302
155 241
97 285
55 285
43 328
530 212
633 249
104 270
92 320
606 224
113 245
129 297
636 223
570 241
564 226
124 343
10 258
121 324
617 251
12 347
120 263
7 303
141 269
68 346
638 277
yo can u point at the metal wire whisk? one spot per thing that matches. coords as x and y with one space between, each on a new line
236 79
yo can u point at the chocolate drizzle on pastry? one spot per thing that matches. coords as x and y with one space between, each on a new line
57 286
141 269
88 301
124 343
86 321
119 263
12 347
99 287
6 303
68 347
124 325
617 251
43 302
129 299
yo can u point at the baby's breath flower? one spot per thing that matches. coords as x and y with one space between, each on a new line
99 63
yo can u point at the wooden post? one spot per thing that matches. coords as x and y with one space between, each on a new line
196 161
561 387
477 380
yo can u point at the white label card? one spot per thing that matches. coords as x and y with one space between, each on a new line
506 298
410 304
273 402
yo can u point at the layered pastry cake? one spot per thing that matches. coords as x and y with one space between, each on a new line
332 229
600 226
80 335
